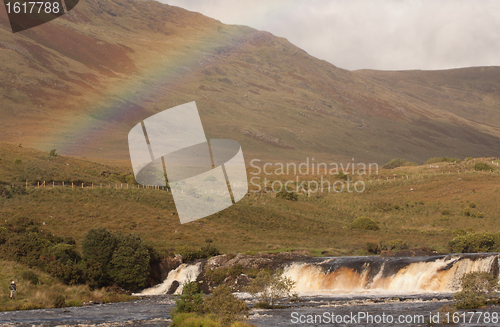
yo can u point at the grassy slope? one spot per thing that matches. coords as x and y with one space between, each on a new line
319 223
43 294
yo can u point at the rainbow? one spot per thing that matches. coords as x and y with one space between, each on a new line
127 98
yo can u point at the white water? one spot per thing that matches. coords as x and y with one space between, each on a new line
183 274
417 277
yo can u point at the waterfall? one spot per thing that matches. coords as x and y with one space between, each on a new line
182 274
389 275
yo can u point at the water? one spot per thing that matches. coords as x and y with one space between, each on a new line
154 311
413 288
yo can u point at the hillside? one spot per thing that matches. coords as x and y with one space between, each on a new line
81 82
425 206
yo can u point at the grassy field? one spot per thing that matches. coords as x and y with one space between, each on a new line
421 205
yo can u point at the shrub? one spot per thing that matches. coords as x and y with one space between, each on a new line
59 301
18 161
287 195
466 212
270 287
394 163
53 153
481 166
477 289
340 175
472 205
191 299
364 223
397 245
227 307
468 158
446 212
218 275
372 248
476 242
442 159
30 276
187 253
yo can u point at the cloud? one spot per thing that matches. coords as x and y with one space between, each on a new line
386 34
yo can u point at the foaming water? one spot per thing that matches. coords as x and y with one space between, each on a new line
182 274
376 275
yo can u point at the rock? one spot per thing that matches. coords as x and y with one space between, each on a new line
173 287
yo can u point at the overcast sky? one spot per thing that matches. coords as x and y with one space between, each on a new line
386 34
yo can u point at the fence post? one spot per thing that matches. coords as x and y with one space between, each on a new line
71 184
82 185
26 184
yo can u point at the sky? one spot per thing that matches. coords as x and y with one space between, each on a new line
373 34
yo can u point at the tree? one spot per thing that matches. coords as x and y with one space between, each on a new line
227 307
477 288
98 247
130 262
270 288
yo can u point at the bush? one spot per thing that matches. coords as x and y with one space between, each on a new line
477 289
364 223
30 276
53 153
372 248
189 254
341 176
446 212
18 161
442 159
394 163
227 307
476 242
59 301
287 195
397 245
191 299
270 288
481 166
218 275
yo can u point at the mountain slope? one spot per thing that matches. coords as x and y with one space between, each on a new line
81 82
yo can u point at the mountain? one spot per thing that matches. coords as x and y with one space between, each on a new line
81 82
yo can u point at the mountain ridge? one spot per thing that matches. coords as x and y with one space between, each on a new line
81 82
